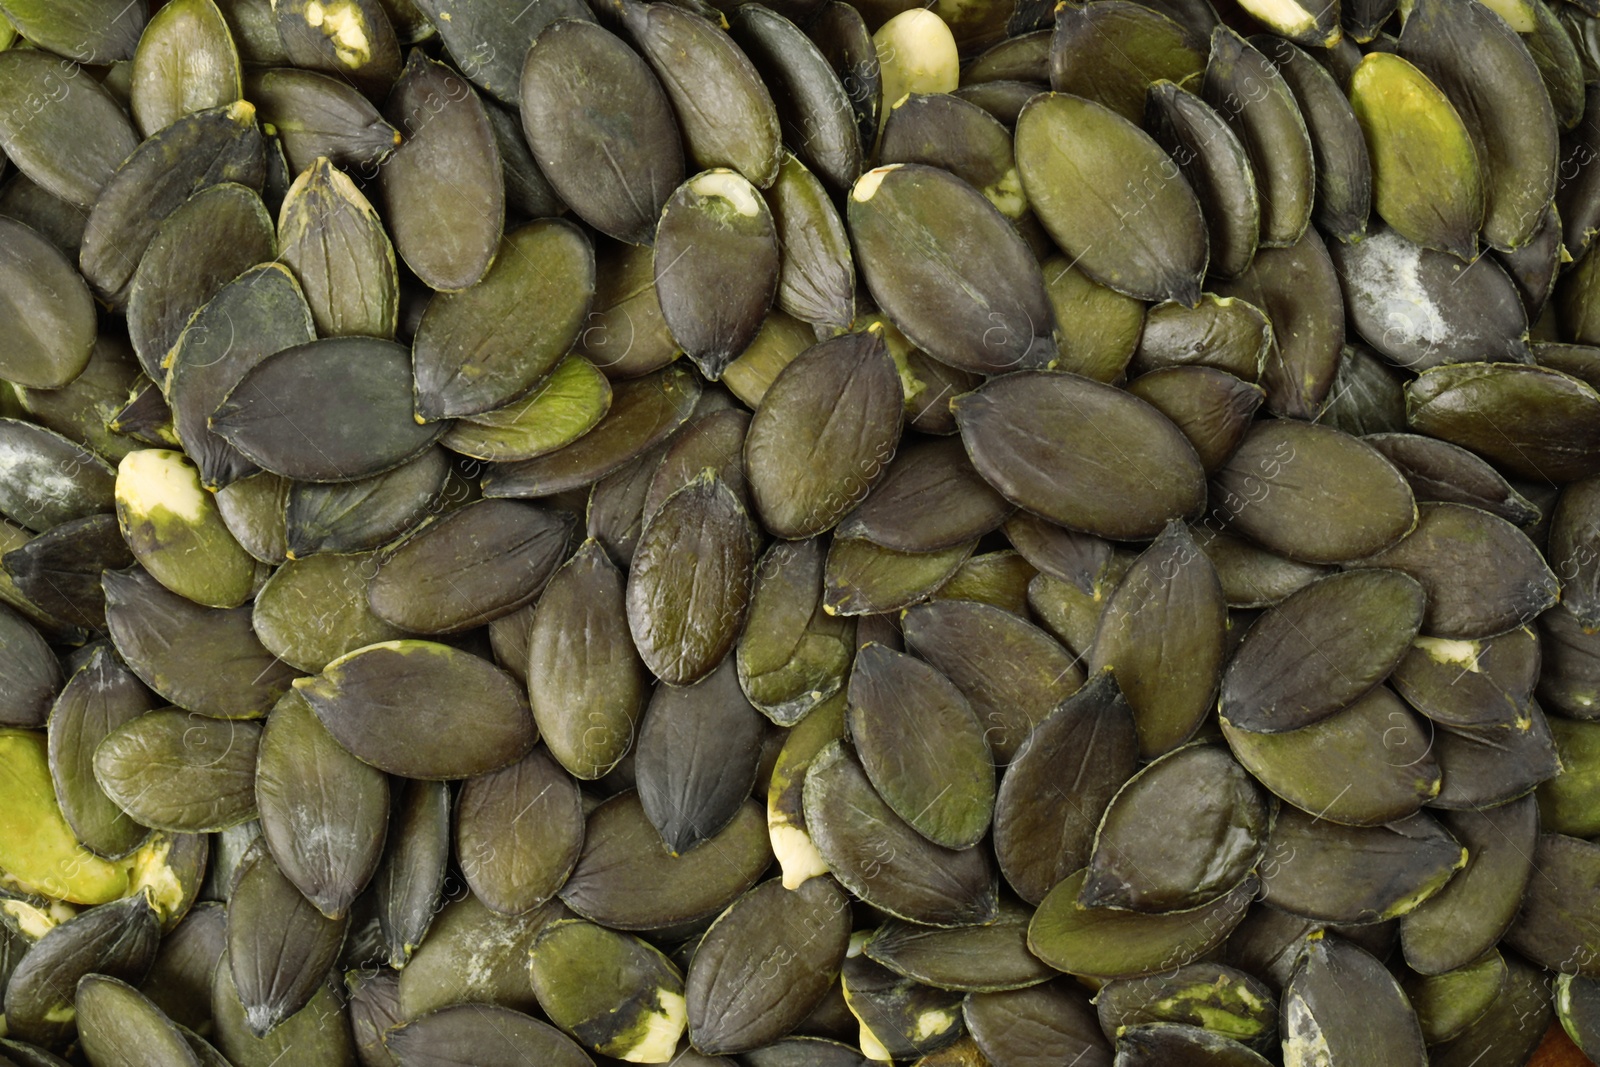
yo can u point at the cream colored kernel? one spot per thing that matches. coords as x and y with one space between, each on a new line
866 186
662 1029
916 54
797 855
343 25
1444 650
153 478
726 185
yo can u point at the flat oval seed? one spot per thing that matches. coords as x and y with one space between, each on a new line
442 191
568 403
1290 487
356 41
1035 1025
1164 632
47 313
279 945
1320 649
483 1034
882 860
716 267
323 812
368 512
1514 585
101 697
838 405
186 62
950 271
175 771
814 110
1448 1003
118 1026
900 1019
330 235
1438 470
482 349
1141 862
1377 738
697 757
921 746
1111 943
1032 435
1332 873
176 532
585 681
481 561
696 62
1093 47
861 578
1212 159
967 959
1252 97
793 655
1070 153
1042 832
316 116
765 963
817 274
1341 1003
95 31
518 833
333 410
689 582
47 479
314 610
1531 421
586 95
65 132
403 706
1227 1001
627 881
615 993
207 660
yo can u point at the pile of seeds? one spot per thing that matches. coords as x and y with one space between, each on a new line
799 536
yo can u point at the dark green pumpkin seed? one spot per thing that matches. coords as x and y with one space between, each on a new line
331 237
48 313
941 783
1112 943
354 42
518 833
279 945
179 982
899 1018
1321 870
368 512
621 113
186 62
1513 1027
1533 422
615 993
765 963
60 570
63 130
979 959
1142 862
1341 1003
1320 649
1035 1025
442 191
319 1033
1097 328
942 130
1288 487
312 611
716 266
1297 288
930 498
400 705
1071 153
347 400
643 413
689 582
1376 739
118 1026
627 881
323 812
534 300
696 758
1448 1003
1438 470
409 882
1223 1000
1144 471
815 113
117 940
485 1036
863 578
96 701
319 116
207 660
1150 1044
92 31
175 771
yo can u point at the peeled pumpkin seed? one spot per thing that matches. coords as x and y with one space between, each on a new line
366 513
612 991
1213 161
101 697
1340 1002
863 578
172 770
186 62
65 132
319 116
330 236
354 41
1036 1023
518 833
47 313
176 532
